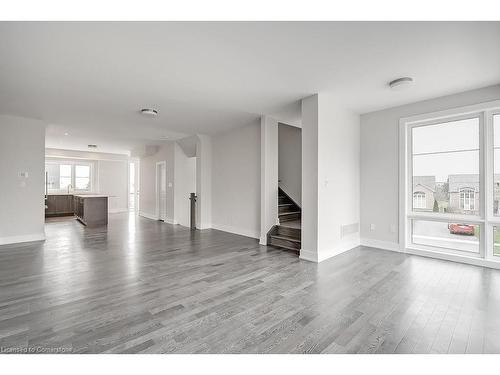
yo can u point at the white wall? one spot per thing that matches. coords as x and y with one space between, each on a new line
113 181
330 177
380 162
22 206
147 182
184 184
236 181
290 161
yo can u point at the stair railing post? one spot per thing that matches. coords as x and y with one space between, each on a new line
192 198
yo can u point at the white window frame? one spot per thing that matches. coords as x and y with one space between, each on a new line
467 197
73 164
419 200
486 220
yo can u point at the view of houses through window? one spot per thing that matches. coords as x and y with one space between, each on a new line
445 179
445 183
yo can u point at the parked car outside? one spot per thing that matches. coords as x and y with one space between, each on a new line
464 229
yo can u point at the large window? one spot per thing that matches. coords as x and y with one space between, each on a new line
452 178
82 177
445 160
67 176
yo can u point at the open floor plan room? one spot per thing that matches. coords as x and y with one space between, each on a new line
253 187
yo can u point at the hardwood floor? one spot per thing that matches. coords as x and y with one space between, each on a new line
150 287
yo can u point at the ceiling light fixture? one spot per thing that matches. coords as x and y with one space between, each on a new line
149 112
401 83
66 133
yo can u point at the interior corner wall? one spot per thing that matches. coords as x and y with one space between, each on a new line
236 181
184 184
330 178
268 176
290 161
22 208
380 162
147 178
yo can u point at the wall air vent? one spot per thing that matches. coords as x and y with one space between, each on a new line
348 229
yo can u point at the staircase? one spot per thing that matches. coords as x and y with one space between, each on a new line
287 234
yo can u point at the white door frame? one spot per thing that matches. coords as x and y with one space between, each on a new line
136 184
157 189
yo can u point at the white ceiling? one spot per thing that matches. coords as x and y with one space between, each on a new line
90 79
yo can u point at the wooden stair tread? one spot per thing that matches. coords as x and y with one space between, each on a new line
285 204
289 213
286 238
285 247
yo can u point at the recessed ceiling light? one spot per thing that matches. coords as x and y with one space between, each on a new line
92 146
66 133
149 112
401 83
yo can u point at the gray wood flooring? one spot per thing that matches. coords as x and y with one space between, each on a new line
149 287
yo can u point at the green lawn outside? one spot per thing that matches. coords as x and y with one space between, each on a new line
496 243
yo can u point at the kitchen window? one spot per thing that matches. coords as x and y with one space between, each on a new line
67 176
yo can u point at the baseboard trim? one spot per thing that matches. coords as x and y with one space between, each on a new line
310 256
384 245
314 256
147 215
236 230
392 246
24 238
170 221
117 210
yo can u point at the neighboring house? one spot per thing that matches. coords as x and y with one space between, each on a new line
460 194
424 188
463 193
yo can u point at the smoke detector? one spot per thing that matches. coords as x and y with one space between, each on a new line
149 112
401 83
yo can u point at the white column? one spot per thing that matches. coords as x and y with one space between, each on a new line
309 240
330 178
268 176
204 182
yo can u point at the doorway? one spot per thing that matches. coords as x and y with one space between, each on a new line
133 186
161 190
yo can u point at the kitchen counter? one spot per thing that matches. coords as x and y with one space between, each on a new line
91 209
91 195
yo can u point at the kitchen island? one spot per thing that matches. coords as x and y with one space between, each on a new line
91 209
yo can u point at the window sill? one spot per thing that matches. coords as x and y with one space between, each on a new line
446 217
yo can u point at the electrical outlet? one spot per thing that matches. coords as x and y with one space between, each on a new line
372 226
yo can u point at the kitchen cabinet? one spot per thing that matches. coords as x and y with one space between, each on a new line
59 205
91 210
